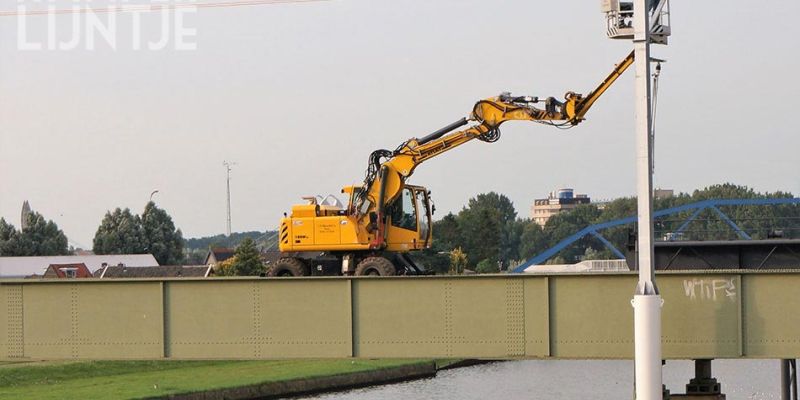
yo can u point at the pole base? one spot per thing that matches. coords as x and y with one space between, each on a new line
647 346
703 386
707 386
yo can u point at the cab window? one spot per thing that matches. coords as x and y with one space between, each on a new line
424 221
403 212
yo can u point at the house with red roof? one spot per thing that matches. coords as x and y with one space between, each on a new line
78 270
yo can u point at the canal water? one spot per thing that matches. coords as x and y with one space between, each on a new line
571 380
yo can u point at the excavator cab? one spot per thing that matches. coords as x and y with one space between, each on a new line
408 225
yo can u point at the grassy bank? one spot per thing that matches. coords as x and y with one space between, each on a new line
139 379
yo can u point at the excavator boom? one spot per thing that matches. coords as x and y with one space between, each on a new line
586 103
388 170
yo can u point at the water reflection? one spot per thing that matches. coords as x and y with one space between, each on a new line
572 380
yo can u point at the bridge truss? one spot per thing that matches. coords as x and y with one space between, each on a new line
697 208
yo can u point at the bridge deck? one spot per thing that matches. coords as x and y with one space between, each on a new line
719 314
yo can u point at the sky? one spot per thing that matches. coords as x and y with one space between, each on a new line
298 95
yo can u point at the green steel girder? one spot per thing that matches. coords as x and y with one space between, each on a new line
719 314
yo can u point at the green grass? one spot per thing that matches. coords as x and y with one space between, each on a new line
138 379
446 362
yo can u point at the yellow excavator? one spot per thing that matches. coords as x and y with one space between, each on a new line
386 218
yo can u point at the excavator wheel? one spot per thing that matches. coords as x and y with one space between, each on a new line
376 266
288 267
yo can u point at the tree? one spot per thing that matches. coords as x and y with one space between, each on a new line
39 238
512 238
8 239
532 240
161 238
266 239
458 261
120 232
758 222
7 230
225 268
432 259
194 256
447 233
42 237
486 227
564 224
248 260
487 266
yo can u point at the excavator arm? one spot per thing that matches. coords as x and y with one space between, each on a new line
388 170
583 105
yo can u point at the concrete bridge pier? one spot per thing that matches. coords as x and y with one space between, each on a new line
788 380
703 386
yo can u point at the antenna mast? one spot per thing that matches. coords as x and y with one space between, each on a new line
228 168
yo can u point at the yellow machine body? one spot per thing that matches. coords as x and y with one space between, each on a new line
324 228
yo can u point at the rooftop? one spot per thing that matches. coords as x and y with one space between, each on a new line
164 271
11 267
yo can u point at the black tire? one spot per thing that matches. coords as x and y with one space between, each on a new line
376 266
288 267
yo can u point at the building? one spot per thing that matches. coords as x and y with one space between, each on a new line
583 266
218 255
663 193
164 271
20 267
558 201
78 270
23 218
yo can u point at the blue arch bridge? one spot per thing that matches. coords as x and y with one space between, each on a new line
696 208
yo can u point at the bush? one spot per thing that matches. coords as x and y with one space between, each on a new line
487 266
